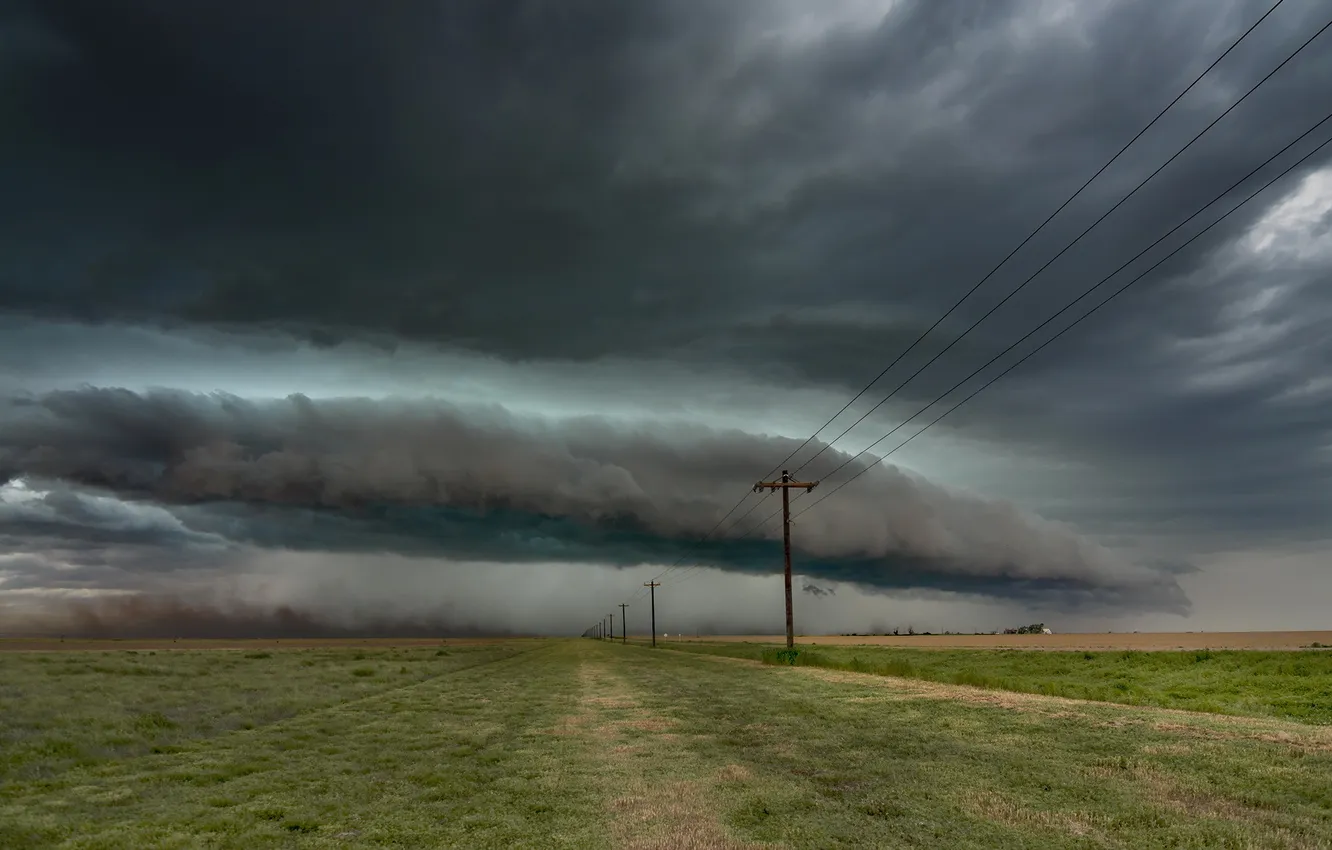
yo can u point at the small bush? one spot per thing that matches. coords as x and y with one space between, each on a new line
781 656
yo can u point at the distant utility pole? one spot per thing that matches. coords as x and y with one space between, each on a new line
652 591
624 624
785 486
612 627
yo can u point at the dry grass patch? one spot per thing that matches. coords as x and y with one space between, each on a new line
672 816
733 773
569 725
1174 720
1318 739
899 689
1012 813
646 724
1167 749
648 814
610 702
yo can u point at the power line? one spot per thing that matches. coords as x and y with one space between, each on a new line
1140 185
1010 295
1065 249
1077 321
1031 236
991 273
1068 327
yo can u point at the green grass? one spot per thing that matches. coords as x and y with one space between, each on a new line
844 764
1293 684
584 744
451 756
61 709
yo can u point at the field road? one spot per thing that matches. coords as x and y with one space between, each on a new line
1089 641
587 744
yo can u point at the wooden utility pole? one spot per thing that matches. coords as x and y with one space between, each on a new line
624 624
612 627
785 486
652 592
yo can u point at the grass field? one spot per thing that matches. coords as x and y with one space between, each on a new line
587 744
1288 684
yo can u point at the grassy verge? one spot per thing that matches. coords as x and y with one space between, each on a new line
1289 685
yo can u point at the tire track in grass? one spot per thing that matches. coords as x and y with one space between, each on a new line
659 792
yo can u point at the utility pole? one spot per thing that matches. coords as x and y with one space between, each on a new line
785 486
612 627
624 624
652 591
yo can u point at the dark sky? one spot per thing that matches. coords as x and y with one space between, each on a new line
451 309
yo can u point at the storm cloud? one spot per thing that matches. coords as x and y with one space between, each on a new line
482 484
554 283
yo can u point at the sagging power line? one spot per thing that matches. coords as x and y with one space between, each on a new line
1127 285
1086 293
1178 153
676 565
1051 261
1081 235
